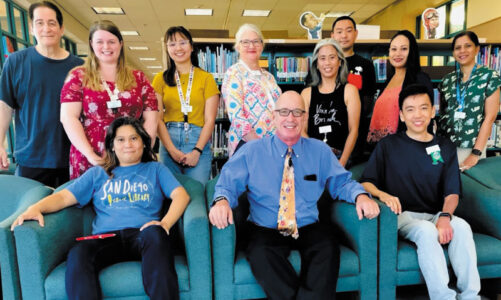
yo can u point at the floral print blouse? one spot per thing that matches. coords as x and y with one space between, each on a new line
96 116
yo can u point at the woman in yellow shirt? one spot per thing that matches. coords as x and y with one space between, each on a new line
190 98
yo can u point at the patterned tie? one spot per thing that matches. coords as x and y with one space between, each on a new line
287 211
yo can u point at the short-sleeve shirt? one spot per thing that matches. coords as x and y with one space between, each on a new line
402 167
31 84
96 116
204 86
482 84
134 196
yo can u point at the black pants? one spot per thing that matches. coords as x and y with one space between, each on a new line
152 246
267 253
49 177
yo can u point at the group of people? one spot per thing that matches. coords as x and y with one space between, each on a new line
106 115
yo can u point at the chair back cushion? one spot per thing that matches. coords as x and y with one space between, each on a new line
487 172
12 189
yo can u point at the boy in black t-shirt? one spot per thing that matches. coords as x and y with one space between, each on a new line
416 174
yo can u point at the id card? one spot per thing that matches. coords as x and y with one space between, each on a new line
114 104
459 115
431 149
325 129
185 109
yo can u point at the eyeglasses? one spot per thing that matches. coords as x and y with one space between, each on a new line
247 43
284 112
181 43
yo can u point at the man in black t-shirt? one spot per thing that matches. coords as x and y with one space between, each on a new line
362 75
416 174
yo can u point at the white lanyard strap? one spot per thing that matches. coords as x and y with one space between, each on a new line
185 102
113 96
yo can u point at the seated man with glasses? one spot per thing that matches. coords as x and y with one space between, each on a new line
284 176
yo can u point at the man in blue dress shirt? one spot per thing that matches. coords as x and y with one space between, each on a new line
258 168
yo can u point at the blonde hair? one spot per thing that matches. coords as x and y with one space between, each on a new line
247 27
92 79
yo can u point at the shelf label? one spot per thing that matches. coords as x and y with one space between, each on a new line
276 41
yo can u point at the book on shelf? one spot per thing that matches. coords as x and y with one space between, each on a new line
292 69
495 137
380 67
217 61
221 109
220 141
436 99
489 57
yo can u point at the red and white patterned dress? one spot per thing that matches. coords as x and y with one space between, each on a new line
96 116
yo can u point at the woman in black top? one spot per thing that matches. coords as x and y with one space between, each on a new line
332 104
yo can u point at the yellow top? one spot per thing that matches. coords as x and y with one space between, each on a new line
204 86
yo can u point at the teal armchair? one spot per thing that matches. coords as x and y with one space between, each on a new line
17 194
487 172
42 253
479 206
233 278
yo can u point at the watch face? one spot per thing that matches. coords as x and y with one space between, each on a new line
476 152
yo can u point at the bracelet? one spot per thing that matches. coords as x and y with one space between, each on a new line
445 214
197 149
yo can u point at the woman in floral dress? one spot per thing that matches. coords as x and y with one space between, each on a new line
100 91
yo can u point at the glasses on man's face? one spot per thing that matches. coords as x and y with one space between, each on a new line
247 43
284 112
181 43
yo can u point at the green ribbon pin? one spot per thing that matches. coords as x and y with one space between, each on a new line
437 157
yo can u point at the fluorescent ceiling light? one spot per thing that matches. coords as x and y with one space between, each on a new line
129 32
147 58
154 67
198 11
108 10
255 13
338 14
138 48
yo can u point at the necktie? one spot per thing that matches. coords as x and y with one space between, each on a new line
287 212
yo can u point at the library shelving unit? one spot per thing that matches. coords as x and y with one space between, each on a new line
436 59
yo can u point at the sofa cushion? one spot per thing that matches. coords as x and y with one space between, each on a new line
487 172
119 280
487 252
349 265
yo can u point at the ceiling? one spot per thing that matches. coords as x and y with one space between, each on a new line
151 18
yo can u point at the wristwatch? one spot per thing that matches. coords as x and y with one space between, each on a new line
445 214
218 199
476 152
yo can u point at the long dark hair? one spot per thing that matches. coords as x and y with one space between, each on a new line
412 65
470 34
171 66
111 161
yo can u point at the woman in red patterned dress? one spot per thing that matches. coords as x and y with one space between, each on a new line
98 92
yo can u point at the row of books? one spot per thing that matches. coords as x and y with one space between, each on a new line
489 57
495 137
380 67
218 61
292 69
220 141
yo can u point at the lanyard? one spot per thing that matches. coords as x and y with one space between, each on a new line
264 83
460 96
185 102
114 102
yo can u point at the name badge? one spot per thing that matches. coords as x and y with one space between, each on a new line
325 129
459 115
431 149
114 104
185 109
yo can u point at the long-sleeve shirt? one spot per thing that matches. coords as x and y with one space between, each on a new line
250 98
257 168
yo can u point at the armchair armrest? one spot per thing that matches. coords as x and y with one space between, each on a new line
40 249
195 230
388 246
8 258
480 207
223 252
362 238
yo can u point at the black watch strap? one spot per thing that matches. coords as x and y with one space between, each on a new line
198 150
476 152
445 214
218 199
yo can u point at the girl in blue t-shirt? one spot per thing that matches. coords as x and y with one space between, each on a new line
127 194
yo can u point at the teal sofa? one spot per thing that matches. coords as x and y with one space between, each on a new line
479 206
487 172
233 278
42 253
17 194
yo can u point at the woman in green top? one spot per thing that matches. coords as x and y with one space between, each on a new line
470 101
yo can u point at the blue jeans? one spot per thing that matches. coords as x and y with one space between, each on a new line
420 228
152 246
185 141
